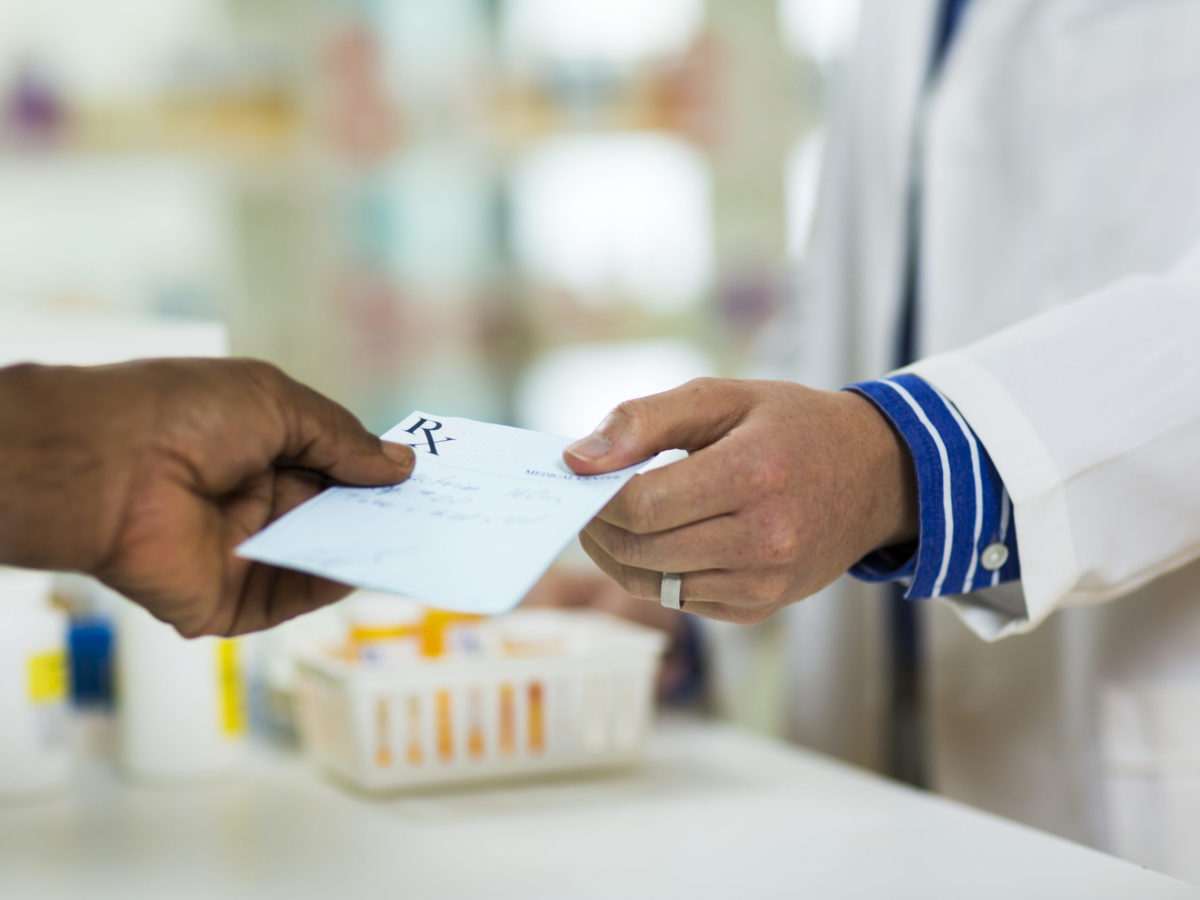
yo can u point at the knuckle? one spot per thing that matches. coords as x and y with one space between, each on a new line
620 509
767 590
625 581
767 475
260 369
736 615
190 631
596 553
268 378
760 591
754 616
624 547
642 508
701 387
782 545
749 615
639 584
784 584
708 393
758 615
780 588
628 416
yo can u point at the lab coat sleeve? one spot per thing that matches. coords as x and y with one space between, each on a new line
1091 413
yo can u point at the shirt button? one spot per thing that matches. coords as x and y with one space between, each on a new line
994 557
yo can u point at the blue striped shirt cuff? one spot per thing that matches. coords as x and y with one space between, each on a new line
965 511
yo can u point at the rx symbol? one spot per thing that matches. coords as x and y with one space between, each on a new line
427 427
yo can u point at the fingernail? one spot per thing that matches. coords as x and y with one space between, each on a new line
401 454
591 448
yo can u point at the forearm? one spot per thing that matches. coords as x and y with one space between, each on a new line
59 482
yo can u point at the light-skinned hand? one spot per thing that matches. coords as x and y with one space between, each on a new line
785 489
149 474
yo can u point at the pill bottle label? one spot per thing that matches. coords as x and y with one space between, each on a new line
47 687
231 700
48 677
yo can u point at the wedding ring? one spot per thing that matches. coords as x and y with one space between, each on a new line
672 587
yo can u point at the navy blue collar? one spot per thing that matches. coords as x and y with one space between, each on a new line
949 20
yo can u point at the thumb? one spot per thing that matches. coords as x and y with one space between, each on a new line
323 436
687 418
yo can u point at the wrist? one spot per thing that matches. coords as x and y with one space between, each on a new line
58 485
893 513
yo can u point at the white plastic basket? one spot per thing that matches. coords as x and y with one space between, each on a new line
587 705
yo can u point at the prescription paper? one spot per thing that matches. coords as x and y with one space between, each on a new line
486 512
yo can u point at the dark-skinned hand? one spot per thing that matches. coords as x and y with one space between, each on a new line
147 475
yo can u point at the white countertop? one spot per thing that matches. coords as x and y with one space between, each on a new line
715 812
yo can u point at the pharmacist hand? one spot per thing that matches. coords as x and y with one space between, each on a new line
785 489
149 474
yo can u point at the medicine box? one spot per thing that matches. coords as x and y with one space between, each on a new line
545 692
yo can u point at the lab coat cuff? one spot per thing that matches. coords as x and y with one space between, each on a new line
966 541
1048 561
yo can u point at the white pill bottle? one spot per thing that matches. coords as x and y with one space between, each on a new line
35 740
181 705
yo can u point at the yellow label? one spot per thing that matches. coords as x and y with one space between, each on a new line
436 628
48 677
374 634
231 699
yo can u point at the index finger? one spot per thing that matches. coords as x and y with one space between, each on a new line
700 487
322 436
686 418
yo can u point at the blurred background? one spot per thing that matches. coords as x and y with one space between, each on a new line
521 211
516 210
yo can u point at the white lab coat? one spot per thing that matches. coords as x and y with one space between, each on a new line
1060 170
